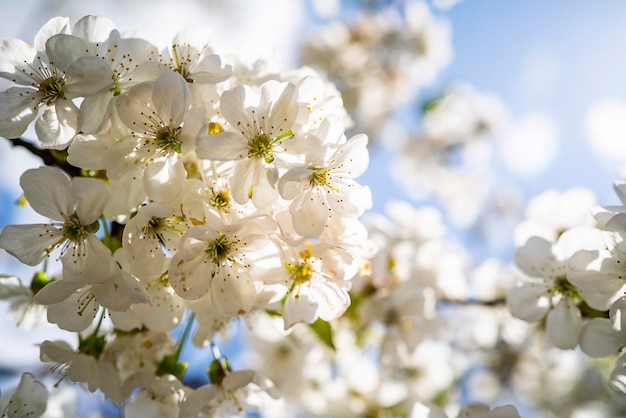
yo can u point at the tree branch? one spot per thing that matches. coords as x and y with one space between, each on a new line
48 156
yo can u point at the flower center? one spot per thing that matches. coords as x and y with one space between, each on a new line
167 138
220 199
260 146
301 272
75 232
220 249
320 178
51 89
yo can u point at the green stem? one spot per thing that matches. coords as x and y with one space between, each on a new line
95 332
185 336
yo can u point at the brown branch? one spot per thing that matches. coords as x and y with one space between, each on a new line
473 302
48 156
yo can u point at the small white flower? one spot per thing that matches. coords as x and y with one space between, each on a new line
216 258
262 125
552 293
75 206
28 401
328 188
52 74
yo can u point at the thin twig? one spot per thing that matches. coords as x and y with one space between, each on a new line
473 302
47 156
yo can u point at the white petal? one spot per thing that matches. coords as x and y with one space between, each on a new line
91 196
95 110
58 124
167 308
11 287
504 411
352 158
578 238
299 308
164 178
225 146
171 98
351 201
616 231
91 262
284 109
86 151
15 56
212 69
94 29
309 213
117 293
535 257
563 324
189 278
50 28
48 192
242 180
88 76
134 107
56 292
30 399
617 314
29 243
63 50
599 276
237 380
18 108
73 314
56 351
529 302
232 105
232 293
597 339
294 182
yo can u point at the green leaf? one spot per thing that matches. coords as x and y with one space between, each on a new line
324 332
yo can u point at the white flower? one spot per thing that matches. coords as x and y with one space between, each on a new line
262 125
553 294
235 392
601 274
75 207
161 129
28 401
136 356
73 306
321 190
26 311
166 397
317 278
216 258
153 231
161 312
84 366
191 57
132 61
52 75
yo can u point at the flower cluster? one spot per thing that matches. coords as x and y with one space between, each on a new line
195 192
195 201
575 279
